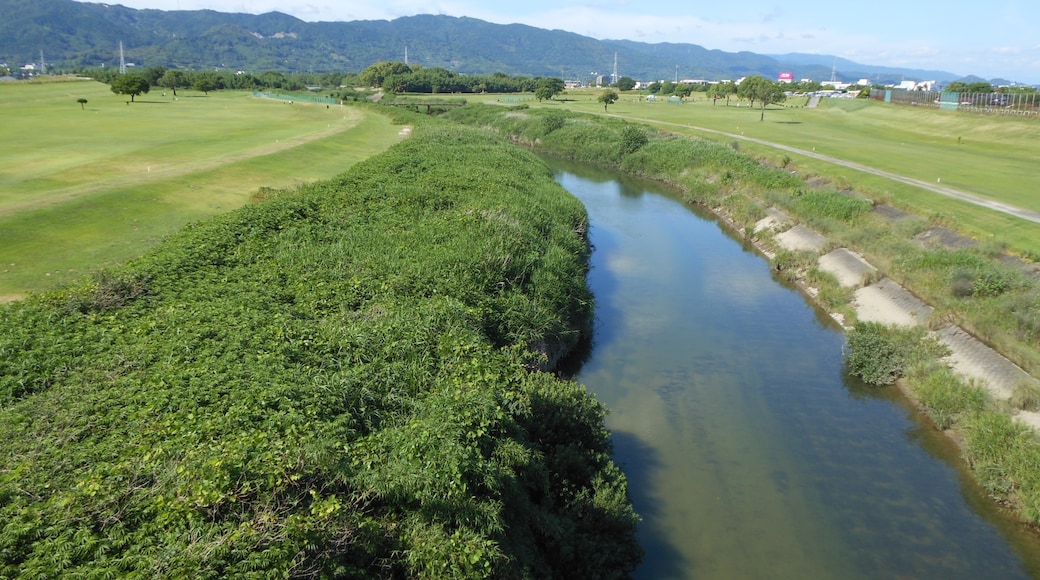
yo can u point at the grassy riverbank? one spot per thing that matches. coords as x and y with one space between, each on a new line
992 156
85 187
336 381
973 286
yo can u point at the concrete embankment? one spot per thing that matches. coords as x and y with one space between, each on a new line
887 302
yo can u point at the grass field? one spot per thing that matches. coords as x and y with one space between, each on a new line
990 156
82 187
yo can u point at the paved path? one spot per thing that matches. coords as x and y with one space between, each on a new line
1018 212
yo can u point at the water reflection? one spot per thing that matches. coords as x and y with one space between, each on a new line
749 452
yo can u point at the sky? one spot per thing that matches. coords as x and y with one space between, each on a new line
995 39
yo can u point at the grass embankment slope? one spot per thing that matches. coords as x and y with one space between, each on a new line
969 286
86 187
337 382
987 155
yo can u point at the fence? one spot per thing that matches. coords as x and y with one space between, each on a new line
1024 104
285 97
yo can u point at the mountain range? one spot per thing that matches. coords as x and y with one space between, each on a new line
68 35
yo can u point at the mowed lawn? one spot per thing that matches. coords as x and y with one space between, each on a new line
991 156
85 187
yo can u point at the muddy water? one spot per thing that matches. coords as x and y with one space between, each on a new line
750 454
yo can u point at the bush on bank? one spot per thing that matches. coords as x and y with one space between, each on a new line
337 382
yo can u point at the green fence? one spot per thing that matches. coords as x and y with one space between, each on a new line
1019 104
287 97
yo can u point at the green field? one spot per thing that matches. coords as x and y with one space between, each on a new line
84 187
990 156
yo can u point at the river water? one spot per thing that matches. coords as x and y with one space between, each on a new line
749 452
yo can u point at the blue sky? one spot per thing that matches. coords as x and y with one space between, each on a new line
989 39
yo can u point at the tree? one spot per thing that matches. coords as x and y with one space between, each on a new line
607 98
153 74
763 90
749 87
654 87
727 89
82 102
715 92
626 84
683 91
130 84
553 86
980 87
373 75
172 79
543 93
205 82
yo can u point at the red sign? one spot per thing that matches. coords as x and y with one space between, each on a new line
786 77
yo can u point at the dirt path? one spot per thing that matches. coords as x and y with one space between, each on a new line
61 195
971 198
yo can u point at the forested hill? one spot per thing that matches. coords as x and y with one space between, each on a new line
86 35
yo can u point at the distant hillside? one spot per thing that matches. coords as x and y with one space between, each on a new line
76 35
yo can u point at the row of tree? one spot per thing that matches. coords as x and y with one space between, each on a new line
142 81
393 77
398 77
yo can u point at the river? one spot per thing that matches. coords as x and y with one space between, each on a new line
749 452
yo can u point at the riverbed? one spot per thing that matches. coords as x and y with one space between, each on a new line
749 451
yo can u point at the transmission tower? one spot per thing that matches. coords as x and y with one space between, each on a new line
43 64
122 61
613 75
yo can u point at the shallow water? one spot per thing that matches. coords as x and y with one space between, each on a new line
749 452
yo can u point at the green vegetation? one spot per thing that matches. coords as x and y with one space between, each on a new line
81 190
1002 306
1002 452
338 381
995 157
130 84
880 354
969 286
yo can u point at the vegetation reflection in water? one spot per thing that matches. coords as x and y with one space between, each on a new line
749 452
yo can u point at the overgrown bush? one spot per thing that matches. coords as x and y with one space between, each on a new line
880 354
340 382
632 139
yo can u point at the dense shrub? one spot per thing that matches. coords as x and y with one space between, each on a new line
632 139
338 382
880 354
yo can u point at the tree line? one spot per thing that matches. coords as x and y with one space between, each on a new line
393 77
399 77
